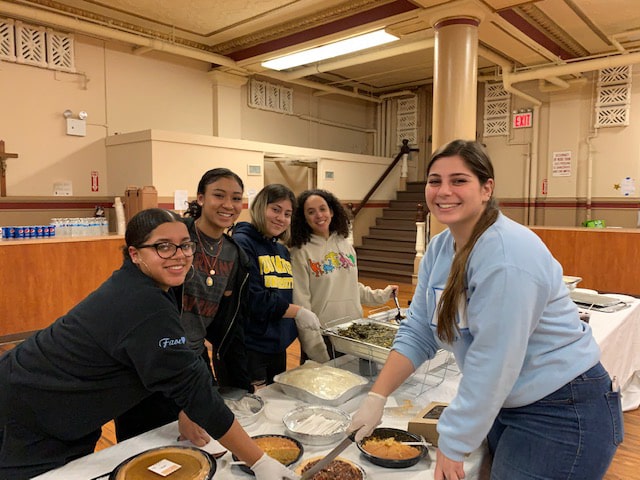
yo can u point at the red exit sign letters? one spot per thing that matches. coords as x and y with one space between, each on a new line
522 120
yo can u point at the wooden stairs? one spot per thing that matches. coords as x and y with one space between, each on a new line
388 251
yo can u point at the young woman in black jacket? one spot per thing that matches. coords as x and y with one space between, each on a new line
213 302
122 343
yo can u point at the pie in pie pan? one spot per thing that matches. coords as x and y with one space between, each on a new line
194 463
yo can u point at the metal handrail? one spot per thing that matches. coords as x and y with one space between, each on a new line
404 150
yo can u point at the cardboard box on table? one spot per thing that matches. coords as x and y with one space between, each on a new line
426 421
139 198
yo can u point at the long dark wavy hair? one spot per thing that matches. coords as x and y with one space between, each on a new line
300 229
477 160
194 210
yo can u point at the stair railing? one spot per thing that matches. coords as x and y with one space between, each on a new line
421 240
404 152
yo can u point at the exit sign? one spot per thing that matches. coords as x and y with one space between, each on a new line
522 120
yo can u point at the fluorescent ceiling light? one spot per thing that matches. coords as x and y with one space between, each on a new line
335 49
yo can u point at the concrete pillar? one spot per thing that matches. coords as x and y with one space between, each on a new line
227 99
455 87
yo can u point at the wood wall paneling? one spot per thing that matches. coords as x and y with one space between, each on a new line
606 259
42 281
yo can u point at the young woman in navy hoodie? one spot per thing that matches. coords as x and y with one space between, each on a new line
274 320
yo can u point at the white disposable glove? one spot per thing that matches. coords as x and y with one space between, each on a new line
310 336
267 468
307 319
368 416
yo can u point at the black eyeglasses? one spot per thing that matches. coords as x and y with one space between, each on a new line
168 249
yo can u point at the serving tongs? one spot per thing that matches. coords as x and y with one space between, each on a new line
398 318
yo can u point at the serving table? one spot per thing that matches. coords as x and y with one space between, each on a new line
401 408
618 335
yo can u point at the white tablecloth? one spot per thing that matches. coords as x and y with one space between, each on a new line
400 408
618 335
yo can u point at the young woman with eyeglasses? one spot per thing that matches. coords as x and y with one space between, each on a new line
112 350
213 303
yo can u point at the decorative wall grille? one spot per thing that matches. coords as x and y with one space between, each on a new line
497 103
39 46
614 97
407 120
268 96
614 75
7 40
286 100
30 45
60 51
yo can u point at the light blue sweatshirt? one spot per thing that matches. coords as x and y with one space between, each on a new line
520 339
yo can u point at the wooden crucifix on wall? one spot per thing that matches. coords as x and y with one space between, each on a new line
3 167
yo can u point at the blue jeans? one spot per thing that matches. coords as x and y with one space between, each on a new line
571 434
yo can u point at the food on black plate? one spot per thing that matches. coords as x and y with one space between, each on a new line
390 448
339 469
386 447
283 449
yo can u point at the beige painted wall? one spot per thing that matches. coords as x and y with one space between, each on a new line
567 125
566 121
348 123
123 93
175 161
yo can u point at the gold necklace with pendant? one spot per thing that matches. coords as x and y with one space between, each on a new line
210 266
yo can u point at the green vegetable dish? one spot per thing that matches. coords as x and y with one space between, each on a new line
375 334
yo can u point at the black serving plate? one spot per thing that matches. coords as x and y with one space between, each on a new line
246 469
401 436
207 459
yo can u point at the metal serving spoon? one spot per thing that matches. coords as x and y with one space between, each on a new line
399 315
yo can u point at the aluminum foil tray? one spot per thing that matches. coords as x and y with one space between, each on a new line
320 384
355 347
295 419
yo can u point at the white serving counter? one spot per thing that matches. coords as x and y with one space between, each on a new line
618 335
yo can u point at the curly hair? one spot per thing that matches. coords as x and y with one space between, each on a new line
300 229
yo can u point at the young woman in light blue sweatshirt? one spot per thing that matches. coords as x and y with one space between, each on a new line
491 292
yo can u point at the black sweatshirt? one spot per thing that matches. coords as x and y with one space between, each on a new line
110 351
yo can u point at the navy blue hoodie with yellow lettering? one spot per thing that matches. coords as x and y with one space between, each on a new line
270 291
